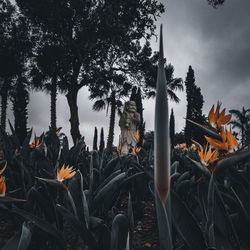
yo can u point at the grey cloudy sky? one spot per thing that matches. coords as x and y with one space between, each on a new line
216 42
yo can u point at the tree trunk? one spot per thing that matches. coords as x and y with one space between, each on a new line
242 135
111 124
53 95
3 109
20 102
74 119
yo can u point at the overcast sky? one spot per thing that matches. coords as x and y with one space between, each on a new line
216 42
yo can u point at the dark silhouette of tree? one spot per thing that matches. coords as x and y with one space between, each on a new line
242 122
172 128
194 108
49 63
140 111
87 30
136 96
15 51
108 93
8 63
216 3
133 94
20 100
101 146
179 137
95 139
173 84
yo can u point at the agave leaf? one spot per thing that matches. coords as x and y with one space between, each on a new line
105 238
243 209
78 227
131 178
119 232
184 176
107 180
200 167
55 183
95 222
131 221
7 199
174 167
110 166
13 242
232 159
210 222
181 187
110 188
25 237
223 221
164 228
84 202
186 225
42 224
207 131
91 179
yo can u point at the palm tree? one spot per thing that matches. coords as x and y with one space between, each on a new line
45 73
108 93
173 84
242 122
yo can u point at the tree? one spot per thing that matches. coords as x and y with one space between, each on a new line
108 93
136 96
95 139
15 51
86 31
194 108
101 146
8 63
215 3
140 111
20 100
172 128
242 122
173 84
49 62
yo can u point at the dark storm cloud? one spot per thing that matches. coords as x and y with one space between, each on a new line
216 42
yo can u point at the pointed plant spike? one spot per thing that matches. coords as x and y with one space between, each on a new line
130 220
232 159
162 143
25 237
84 202
207 131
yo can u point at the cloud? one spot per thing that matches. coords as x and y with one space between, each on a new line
214 41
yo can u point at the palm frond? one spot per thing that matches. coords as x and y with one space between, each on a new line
99 105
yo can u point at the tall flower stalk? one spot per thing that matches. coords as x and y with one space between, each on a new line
162 156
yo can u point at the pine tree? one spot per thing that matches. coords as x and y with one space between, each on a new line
95 139
172 128
194 108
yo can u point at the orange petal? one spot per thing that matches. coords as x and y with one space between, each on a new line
3 168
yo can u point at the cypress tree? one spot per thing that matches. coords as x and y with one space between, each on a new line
133 96
140 111
194 108
172 128
95 139
101 147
